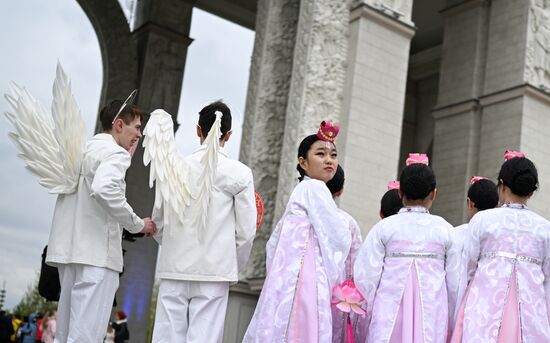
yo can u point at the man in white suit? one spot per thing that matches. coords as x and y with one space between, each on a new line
197 264
86 237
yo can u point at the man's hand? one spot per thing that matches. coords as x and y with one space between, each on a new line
149 227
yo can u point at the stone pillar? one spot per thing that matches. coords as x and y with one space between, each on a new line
516 99
317 85
372 114
457 114
266 103
263 129
162 36
494 75
118 49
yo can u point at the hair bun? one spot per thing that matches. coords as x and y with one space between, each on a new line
524 183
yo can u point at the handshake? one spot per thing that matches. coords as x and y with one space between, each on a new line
149 227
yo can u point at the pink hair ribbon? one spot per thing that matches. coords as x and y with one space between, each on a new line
475 179
509 154
417 158
393 185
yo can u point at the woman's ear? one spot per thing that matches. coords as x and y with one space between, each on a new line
433 194
470 203
302 162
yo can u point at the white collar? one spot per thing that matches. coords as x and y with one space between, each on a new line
202 147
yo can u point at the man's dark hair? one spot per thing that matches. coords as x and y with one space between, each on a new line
207 116
108 113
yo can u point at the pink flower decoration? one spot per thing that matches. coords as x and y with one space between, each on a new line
475 179
509 154
393 185
417 158
347 298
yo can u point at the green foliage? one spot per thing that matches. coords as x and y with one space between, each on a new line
152 310
33 302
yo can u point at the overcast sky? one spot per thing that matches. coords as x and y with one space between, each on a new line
34 35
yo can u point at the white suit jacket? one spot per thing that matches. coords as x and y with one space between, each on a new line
87 224
224 245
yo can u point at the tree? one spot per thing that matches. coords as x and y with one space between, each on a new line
33 302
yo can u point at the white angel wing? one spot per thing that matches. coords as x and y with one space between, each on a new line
176 179
209 162
168 168
51 147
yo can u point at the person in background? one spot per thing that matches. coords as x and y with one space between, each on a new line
122 335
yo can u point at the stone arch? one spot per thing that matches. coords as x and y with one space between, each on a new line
120 70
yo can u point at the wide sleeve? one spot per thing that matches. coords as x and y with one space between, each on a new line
369 265
158 217
356 241
455 271
546 272
107 191
329 226
245 215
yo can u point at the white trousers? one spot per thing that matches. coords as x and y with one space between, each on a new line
85 303
190 311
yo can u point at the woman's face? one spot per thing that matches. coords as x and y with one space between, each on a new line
321 161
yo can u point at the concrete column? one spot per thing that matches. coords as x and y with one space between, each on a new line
162 38
494 79
317 85
372 114
457 114
264 124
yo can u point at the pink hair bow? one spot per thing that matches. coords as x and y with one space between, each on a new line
393 185
475 179
347 298
509 154
417 158
328 131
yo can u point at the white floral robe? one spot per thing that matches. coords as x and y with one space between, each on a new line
305 258
412 244
504 244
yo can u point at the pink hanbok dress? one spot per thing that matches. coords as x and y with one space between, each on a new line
401 271
339 318
305 257
508 267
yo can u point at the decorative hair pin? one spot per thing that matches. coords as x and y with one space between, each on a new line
129 100
417 158
475 179
509 154
259 211
327 131
393 185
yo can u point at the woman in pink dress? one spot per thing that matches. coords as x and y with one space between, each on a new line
402 266
306 253
508 254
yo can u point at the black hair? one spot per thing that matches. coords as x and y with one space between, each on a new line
108 113
520 175
483 194
336 184
390 203
417 181
304 147
207 116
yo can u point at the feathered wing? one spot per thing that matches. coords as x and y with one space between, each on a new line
169 169
209 162
176 179
52 147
